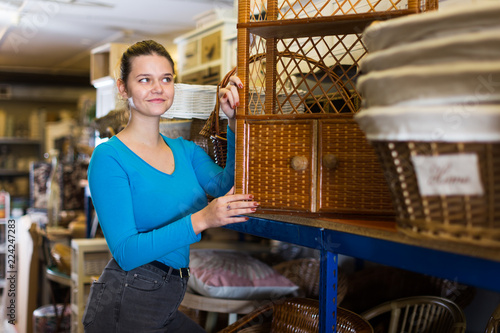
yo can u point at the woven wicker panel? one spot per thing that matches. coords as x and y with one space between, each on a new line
350 322
294 316
309 75
357 183
471 219
295 9
271 146
304 273
200 140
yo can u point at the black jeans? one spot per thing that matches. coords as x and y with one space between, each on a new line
145 299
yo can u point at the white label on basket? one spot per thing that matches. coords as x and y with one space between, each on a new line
455 174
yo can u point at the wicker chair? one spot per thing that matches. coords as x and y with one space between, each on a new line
418 314
304 273
493 325
295 315
375 285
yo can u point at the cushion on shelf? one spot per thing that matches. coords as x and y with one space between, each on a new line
235 275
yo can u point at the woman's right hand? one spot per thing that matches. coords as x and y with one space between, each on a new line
229 99
224 210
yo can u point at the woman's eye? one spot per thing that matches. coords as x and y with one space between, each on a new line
167 79
144 80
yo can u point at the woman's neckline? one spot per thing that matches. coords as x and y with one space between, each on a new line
165 139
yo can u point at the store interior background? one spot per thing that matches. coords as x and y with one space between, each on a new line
45 49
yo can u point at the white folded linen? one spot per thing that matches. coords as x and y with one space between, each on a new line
448 123
429 25
473 46
467 82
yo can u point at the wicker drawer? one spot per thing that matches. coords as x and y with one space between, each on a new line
271 146
351 179
314 166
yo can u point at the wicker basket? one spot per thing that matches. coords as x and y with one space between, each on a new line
212 128
472 219
444 186
295 315
304 273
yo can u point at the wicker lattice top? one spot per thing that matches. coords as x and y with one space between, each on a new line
296 9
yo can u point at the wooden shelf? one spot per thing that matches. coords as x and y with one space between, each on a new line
322 26
380 242
19 141
13 173
386 230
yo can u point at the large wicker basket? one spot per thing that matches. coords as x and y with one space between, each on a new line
469 213
472 219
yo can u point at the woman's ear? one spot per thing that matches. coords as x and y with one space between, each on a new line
122 89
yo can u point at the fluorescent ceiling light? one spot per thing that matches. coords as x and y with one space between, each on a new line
9 18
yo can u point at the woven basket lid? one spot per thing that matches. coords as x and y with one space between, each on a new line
455 20
450 123
467 82
477 46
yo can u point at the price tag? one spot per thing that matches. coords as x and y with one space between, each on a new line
454 174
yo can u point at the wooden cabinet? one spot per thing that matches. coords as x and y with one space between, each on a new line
105 61
298 146
104 71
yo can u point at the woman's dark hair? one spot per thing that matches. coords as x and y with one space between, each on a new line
146 47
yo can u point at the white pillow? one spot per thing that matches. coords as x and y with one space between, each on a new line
235 275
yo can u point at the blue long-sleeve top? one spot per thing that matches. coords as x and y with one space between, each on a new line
145 214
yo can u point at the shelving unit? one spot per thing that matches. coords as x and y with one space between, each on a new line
89 256
19 141
14 173
104 70
380 242
105 61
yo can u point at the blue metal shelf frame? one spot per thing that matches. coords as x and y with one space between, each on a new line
464 269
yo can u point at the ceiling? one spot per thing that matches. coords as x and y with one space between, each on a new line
52 39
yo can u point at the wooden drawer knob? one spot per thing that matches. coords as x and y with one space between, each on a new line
299 163
330 161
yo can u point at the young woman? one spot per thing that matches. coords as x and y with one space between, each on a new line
150 195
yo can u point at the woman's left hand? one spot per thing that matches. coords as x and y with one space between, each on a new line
229 98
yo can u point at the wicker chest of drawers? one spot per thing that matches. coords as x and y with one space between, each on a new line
298 147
